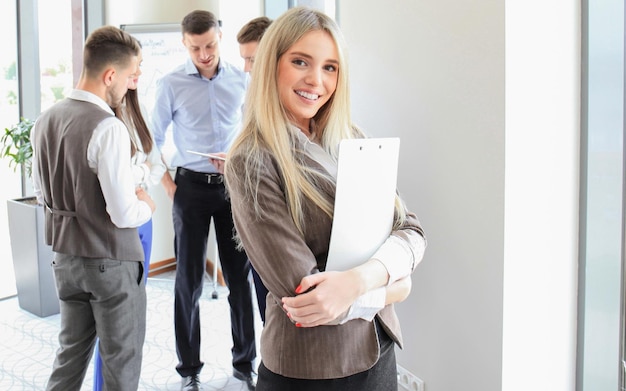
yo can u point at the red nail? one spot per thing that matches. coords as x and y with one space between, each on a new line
298 324
299 289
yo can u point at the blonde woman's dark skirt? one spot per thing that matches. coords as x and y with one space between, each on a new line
381 377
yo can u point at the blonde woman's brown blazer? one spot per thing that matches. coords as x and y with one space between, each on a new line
282 257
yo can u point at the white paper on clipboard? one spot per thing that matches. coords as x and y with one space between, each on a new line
367 173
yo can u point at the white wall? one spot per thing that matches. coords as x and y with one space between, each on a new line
433 73
486 104
541 226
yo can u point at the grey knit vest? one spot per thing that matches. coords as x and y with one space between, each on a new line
77 222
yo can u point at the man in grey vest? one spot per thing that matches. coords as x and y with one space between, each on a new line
82 175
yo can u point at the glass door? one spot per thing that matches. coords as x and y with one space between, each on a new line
9 114
600 353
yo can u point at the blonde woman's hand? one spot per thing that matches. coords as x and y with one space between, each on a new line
322 298
398 291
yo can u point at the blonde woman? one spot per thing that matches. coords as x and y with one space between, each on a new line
323 330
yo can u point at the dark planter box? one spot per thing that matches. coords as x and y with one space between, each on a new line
32 258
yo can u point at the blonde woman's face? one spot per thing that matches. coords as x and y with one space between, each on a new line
307 76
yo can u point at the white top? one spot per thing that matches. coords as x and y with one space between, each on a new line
148 169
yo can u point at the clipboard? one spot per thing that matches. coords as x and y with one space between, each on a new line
367 173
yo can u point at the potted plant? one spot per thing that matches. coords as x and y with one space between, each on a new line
32 257
16 145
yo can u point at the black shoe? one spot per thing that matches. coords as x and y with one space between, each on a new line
246 377
191 383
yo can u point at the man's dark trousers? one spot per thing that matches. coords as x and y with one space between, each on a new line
196 202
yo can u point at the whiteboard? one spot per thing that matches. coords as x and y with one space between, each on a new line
367 173
162 50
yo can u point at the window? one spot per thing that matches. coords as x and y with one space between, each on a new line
55 50
9 115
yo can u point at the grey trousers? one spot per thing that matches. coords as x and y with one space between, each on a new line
104 298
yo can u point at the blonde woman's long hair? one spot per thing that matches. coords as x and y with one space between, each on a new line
267 127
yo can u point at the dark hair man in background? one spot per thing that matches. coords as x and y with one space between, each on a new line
82 174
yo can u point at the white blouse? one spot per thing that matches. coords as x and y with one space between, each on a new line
148 169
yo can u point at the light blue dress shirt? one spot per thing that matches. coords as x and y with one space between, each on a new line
205 114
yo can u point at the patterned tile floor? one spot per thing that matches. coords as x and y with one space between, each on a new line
28 343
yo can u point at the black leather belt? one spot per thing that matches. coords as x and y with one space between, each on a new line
212 179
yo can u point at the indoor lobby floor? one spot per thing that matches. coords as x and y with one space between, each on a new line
28 343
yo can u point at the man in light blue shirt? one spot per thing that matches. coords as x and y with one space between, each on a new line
203 100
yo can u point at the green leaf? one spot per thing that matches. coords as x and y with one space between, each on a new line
16 147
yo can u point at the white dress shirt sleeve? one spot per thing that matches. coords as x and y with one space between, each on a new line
400 258
151 165
141 171
366 306
148 169
108 154
157 167
35 171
